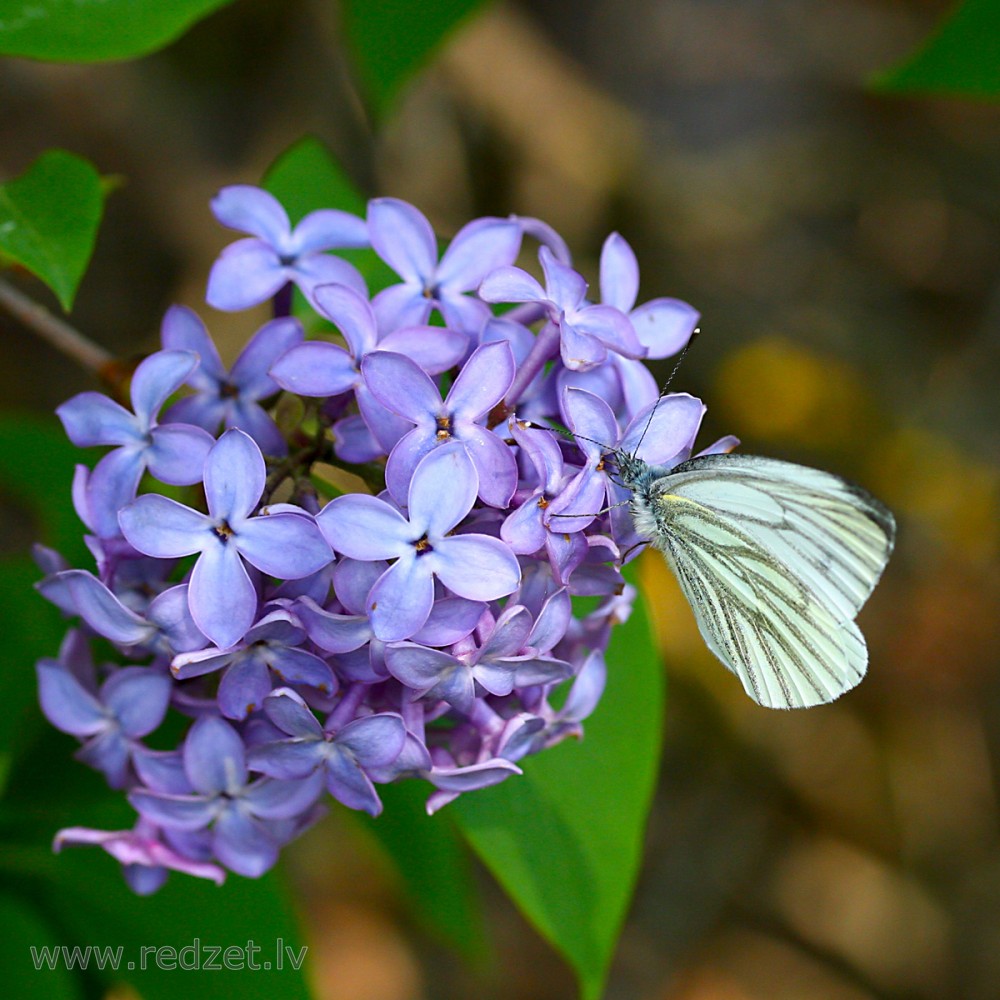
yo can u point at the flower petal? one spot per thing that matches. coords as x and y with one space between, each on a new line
329 229
234 476
178 452
156 378
442 490
243 688
482 382
285 545
247 272
222 599
511 284
164 528
183 330
138 697
250 370
402 386
249 209
477 248
351 314
364 527
478 567
619 274
65 702
214 757
401 599
315 368
664 326
91 418
403 238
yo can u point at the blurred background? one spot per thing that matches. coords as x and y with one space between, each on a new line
842 247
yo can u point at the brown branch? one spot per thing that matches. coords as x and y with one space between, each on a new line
56 331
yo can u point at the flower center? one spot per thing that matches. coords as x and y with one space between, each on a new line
423 546
223 531
228 391
444 427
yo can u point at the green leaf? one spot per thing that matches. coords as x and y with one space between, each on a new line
307 177
390 42
433 863
961 58
36 472
565 840
95 30
24 930
49 217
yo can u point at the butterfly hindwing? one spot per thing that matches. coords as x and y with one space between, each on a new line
776 560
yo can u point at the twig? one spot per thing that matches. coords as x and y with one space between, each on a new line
57 332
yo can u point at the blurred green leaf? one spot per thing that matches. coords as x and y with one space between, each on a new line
95 30
307 177
391 41
49 217
565 840
23 930
36 472
960 59
433 863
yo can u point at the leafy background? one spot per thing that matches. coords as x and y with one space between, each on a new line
820 179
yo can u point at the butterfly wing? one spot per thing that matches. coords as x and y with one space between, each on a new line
776 560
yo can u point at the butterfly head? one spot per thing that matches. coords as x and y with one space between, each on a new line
632 470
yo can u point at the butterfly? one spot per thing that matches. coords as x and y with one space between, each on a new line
775 559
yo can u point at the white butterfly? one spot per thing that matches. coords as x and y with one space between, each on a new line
775 559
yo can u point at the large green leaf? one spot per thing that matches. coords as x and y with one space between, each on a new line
49 217
565 840
433 863
95 30
391 41
961 58
25 933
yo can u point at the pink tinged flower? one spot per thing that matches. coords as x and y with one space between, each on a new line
343 755
221 595
403 238
173 453
230 399
399 384
586 332
252 270
663 325
145 859
441 493
243 816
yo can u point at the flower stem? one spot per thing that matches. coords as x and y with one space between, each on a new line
57 332
545 348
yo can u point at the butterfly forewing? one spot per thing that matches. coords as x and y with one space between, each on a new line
776 560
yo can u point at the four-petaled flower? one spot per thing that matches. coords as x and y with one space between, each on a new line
252 270
230 399
174 453
222 597
442 491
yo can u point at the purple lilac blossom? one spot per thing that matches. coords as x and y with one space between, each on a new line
251 270
230 399
381 588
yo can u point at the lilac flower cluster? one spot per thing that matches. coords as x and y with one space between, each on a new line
319 638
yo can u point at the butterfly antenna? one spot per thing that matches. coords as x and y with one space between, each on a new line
666 385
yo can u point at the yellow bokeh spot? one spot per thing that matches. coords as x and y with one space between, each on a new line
775 389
